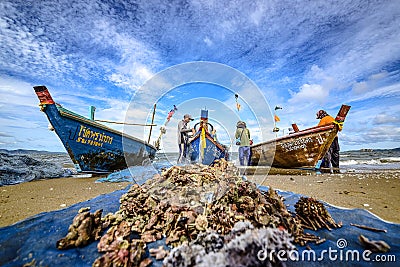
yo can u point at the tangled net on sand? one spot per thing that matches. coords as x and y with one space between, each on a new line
186 201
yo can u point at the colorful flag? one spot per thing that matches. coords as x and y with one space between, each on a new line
238 106
276 118
163 130
237 103
171 112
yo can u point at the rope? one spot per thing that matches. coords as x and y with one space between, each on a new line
339 124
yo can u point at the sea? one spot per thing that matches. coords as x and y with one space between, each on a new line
19 166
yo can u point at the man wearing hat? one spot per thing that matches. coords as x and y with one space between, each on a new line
183 136
242 136
332 156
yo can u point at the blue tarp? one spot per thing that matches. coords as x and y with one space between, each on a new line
35 238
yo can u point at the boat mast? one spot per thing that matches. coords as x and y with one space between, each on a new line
92 109
152 121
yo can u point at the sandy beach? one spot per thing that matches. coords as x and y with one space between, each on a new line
24 200
377 192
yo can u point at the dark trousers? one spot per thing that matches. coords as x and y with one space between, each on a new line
332 156
244 155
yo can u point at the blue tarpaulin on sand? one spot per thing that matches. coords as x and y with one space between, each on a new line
34 239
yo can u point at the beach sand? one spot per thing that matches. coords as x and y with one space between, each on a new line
376 192
24 200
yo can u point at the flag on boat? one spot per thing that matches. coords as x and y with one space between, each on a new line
163 129
238 106
171 112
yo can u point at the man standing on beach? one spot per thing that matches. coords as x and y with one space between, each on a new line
332 156
183 136
242 136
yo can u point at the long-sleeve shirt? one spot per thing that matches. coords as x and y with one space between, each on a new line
183 132
326 121
244 138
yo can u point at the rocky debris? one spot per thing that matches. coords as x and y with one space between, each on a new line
85 227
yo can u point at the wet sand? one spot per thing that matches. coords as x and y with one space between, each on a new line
24 200
376 192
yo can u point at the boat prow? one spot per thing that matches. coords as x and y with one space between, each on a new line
93 147
203 146
301 149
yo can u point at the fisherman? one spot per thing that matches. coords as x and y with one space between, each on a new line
183 136
242 136
214 134
331 158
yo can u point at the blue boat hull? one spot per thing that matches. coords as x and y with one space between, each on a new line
92 146
212 151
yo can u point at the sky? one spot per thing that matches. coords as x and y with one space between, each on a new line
125 56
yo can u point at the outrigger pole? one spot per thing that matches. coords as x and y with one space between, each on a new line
134 124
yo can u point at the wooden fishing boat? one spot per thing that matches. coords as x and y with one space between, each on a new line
301 149
203 146
93 147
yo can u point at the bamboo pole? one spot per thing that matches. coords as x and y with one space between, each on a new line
134 124
152 121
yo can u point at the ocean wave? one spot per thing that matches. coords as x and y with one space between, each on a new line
371 161
360 162
349 162
390 160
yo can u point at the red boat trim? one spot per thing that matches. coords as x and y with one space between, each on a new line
43 95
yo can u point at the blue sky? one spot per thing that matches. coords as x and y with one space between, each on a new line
301 55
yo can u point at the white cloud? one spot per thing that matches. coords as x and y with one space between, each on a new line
379 76
371 83
208 41
366 45
382 133
309 93
259 12
317 75
389 91
384 118
360 87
